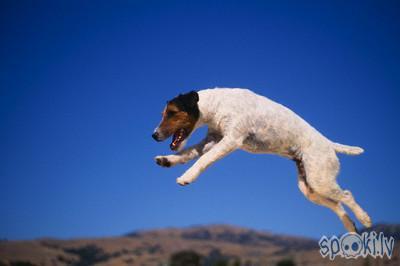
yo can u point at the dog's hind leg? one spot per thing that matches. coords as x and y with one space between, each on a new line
321 178
314 197
344 196
348 199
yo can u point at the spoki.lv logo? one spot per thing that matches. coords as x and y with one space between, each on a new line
353 245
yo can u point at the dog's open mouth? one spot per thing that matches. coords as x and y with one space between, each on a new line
177 139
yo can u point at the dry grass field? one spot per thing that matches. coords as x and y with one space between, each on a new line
213 245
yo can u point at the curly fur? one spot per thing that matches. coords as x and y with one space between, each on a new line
242 119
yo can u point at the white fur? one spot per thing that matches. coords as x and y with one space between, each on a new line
241 119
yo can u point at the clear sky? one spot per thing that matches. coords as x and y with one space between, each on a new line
82 85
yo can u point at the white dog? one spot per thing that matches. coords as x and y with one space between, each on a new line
241 119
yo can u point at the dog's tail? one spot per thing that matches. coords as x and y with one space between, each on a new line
350 150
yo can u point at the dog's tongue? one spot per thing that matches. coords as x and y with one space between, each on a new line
176 139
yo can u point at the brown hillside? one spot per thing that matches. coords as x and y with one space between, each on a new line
215 245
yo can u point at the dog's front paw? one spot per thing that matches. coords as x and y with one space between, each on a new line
163 161
187 178
183 182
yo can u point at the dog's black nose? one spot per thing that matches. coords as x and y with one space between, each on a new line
156 136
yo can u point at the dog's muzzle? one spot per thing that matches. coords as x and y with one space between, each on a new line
156 136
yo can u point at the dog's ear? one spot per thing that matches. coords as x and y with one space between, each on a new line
190 99
194 98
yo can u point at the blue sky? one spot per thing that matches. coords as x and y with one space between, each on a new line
82 85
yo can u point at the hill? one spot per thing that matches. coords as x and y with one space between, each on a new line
208 245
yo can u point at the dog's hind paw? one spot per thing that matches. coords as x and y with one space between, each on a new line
366 220
162 161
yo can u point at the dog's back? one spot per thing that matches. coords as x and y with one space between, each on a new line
270 126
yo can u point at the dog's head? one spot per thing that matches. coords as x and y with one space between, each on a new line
178 119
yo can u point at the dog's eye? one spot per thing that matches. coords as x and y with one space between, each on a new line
171 113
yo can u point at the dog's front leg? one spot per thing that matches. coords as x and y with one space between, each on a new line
221 149
189 153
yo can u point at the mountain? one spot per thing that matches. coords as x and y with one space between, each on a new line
387 229
197 245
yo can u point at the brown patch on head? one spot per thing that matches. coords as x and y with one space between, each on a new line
174 119
179 118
